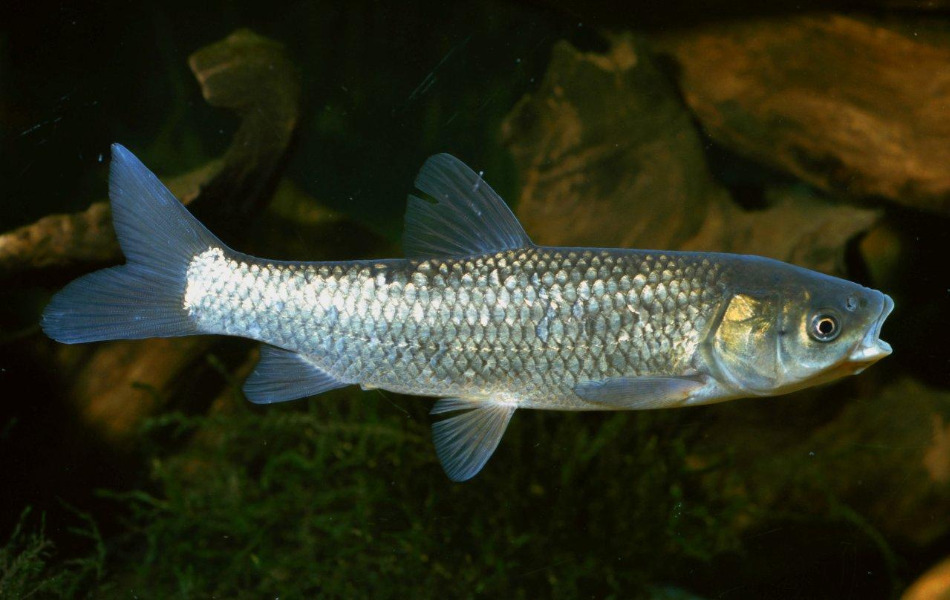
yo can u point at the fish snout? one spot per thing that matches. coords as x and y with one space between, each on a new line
872 348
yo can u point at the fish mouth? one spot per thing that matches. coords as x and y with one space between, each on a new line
872 348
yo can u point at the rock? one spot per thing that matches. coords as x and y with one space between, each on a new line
817 454
853 106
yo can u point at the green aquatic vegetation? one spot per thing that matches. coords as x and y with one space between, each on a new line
343 496
30 567
24 561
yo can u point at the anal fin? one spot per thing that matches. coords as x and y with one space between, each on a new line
639 393
466 441
283 375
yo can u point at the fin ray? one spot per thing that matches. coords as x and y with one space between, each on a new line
638 393
467 218
144 297
282 375
465 442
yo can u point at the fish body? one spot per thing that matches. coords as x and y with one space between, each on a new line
477 315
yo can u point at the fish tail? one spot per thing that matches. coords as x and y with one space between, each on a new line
145 297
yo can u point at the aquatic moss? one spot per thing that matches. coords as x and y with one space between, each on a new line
342 496
30 567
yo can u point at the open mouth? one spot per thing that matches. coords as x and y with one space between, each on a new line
872 347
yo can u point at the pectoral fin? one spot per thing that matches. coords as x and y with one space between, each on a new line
638 393
466 441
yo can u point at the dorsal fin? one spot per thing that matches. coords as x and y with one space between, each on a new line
462 215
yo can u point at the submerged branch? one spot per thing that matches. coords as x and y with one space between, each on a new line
246 73
115 385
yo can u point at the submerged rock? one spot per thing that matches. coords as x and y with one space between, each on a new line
932 585
886 457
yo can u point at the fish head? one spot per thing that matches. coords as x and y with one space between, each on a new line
797 328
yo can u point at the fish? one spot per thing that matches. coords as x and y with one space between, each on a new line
476 314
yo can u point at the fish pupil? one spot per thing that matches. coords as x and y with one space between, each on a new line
824 328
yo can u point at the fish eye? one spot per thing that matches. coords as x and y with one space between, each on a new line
824 327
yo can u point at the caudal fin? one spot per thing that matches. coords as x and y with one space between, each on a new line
144 297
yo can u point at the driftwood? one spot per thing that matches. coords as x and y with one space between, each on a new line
853 106
609 156
795 226
246 73
671 14
622 166
82 240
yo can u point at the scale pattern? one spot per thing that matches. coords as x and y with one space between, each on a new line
522 326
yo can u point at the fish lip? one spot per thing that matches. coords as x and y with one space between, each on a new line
872 347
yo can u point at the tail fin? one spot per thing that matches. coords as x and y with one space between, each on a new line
144 297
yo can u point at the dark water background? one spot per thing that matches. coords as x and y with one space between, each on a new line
342 496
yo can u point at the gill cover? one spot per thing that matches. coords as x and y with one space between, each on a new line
745 345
